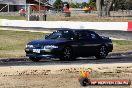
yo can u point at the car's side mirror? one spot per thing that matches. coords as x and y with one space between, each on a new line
46 36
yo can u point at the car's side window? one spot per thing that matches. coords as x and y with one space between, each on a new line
68 35
83 35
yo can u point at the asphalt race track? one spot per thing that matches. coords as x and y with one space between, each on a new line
112 58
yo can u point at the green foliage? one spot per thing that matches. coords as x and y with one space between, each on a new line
13 17
58 5
122 4
119 4
92 4
84 4
78 5
73 5
129 4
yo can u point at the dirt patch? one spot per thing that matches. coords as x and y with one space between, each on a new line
61 76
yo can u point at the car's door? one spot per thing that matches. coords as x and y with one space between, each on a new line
88 43
94 43
83 43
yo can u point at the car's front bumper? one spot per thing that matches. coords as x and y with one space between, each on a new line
42 53
42 56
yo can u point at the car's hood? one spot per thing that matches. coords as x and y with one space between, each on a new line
47 42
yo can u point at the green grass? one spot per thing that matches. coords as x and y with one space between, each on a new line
122 45
76 17
12 43
13 17
122 42
89 18
16 40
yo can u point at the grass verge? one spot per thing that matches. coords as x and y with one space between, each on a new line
12 43
122 45
13 17
76 17
88 17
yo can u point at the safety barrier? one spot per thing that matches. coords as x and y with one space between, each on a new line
129 26
121 26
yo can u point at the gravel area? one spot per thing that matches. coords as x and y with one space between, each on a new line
61 76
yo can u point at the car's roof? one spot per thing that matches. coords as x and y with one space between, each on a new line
66 29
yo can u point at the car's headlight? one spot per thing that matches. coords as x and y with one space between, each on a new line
26 46
29 46
50 47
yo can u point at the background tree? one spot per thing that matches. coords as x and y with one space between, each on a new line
78 5
92 4
58 5
119 4
122 4
103 7
73 5
84 4
99 4
129 4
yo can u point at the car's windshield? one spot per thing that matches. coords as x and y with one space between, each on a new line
60 35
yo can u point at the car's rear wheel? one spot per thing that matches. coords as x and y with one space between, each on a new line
67 54
102 53
34 59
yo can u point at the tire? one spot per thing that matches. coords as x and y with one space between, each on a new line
102 53
34 59
67 54
84 81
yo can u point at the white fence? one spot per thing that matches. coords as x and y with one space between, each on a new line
122 26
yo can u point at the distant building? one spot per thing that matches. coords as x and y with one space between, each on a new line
16 5
11 5
44 4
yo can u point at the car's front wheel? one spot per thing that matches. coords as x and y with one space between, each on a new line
34 59
102 53
67 54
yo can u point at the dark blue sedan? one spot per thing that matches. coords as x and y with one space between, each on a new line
68 44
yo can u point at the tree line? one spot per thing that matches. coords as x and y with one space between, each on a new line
102 6
105 6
